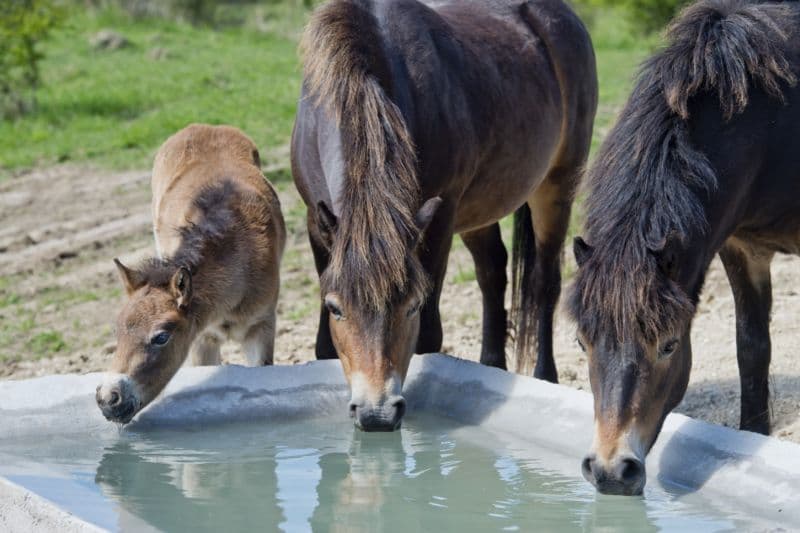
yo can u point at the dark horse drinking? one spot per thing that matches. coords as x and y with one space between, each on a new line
420 121
704 160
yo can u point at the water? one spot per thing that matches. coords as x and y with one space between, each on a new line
323 475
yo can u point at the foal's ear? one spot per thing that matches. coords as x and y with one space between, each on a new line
256 158
666 255
326 222
581 250
131 279
181 287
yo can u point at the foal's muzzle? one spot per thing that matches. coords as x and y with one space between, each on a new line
118 400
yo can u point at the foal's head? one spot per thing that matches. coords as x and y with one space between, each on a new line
633 323
374 316
154 331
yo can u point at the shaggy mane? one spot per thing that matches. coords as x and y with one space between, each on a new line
648 182
345 63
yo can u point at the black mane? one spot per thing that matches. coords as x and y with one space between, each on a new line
648 183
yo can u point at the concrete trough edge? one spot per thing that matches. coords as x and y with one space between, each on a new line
744 469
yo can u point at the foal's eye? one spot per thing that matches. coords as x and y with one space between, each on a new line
160 339
414 309
667 349
334 310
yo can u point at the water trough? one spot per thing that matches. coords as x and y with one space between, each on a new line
55 473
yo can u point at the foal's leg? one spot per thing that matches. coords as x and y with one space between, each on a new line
324 348
550 210
205 350
490 257
259 341
749 276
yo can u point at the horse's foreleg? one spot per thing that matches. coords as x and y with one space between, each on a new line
324 348
749 276
491 258
434 251
550 211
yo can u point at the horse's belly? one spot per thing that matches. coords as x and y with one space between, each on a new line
498 191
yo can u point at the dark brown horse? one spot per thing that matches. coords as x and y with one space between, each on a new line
704 159
417 122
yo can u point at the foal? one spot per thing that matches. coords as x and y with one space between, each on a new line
220 236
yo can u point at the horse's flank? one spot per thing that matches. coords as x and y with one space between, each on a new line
648 186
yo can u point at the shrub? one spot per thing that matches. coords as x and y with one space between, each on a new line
23 25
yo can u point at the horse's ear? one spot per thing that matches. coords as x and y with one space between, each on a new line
326 222
181 287
131 279
427 212
666 255
581 250
424 217
256 158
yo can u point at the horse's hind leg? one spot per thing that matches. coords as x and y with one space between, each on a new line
749 276
550 208
490 257
205 350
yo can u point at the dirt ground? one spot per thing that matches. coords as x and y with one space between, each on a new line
61 226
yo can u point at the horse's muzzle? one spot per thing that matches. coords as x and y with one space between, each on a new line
625 476
385 417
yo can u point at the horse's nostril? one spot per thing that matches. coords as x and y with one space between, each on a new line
631 470
400 408
586 468
353 410
114 399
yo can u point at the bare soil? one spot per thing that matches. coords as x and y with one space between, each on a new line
59 294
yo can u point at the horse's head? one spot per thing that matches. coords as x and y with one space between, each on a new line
154 331
633 324
374 323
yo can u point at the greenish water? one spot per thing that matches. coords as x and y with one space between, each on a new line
324 476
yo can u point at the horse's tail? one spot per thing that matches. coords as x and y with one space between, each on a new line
722 46
569 48
347 73
523 292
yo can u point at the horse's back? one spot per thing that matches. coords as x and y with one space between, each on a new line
493 93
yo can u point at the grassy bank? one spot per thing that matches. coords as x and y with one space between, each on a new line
114 107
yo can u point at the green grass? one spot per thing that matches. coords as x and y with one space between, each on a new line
46 343
115 108
619 53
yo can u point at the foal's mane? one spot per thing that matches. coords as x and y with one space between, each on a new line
647 184
346 72
220 207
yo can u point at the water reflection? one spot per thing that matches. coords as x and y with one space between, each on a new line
325 476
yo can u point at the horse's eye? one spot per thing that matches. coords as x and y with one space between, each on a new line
667 349
160 339
580 344
414 309
334 310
